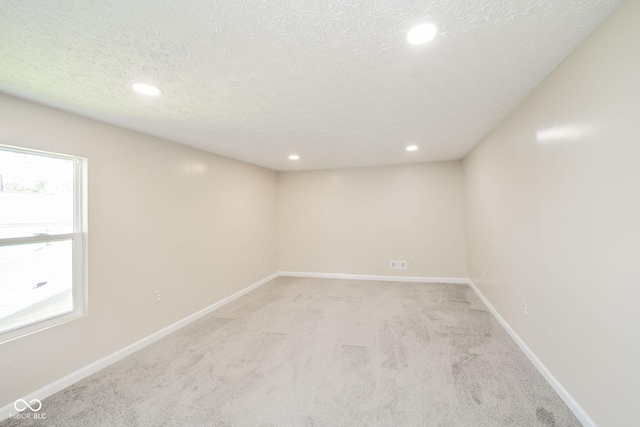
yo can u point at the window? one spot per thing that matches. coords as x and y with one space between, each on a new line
41 239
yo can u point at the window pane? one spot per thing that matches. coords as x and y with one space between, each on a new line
35 282
36 195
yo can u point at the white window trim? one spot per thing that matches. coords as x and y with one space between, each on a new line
78 242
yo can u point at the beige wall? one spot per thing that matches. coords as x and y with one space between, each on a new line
360 219
552 207
161 216
552 201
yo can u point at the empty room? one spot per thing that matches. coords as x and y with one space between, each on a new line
320 213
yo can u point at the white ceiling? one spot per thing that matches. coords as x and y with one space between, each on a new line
331 80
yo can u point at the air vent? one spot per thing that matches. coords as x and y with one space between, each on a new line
398 265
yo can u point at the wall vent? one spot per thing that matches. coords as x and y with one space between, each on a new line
398 265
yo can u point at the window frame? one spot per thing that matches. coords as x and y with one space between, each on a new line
78 239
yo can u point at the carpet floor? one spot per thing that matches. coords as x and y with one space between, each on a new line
323 352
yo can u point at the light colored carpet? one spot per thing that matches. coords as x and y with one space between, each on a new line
323 352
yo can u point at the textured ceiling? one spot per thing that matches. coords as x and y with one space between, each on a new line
333 81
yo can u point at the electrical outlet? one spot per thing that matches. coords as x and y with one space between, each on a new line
325 258
525 309
483 275
158 297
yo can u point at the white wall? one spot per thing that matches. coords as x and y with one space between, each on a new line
161 216
360 219
552 201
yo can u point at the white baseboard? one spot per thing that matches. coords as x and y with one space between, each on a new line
62 383
577 410
453 280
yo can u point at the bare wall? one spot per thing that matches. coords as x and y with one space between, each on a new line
552 200
161 216
360 219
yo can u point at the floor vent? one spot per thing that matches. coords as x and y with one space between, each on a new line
399 265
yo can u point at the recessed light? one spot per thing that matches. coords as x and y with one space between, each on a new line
422 33
146 89
412 148
294 157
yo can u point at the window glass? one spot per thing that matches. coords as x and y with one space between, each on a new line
37 282
36 195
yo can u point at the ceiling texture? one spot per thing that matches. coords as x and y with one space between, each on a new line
331 80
